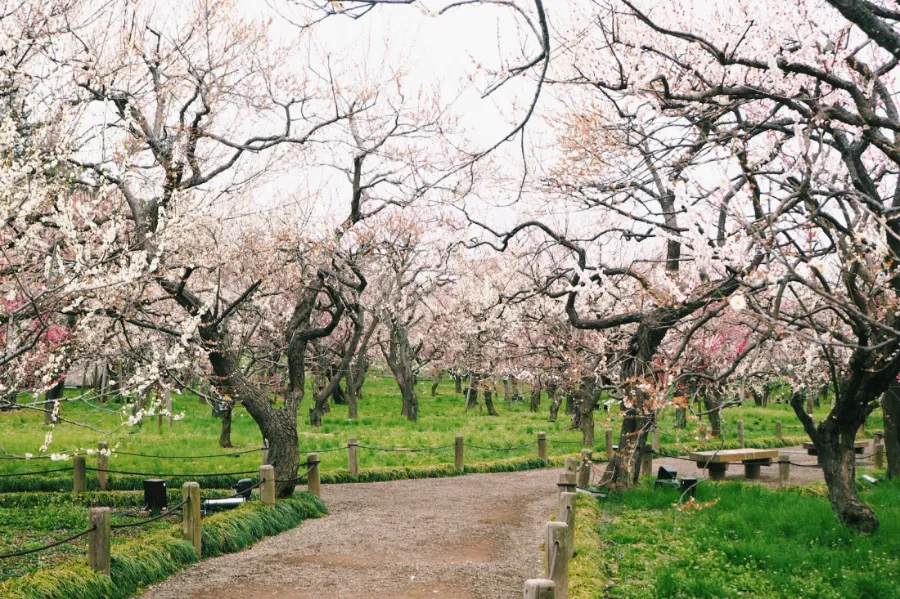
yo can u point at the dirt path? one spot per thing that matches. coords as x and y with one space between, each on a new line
470 537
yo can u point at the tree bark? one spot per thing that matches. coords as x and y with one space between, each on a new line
506 393
457 384
436 382
555 396
488 402
570 403
55 392
225 435
890 406
712 402
834 439
536 395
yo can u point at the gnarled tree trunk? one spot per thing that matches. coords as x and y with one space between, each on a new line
437 381
225 434
536 395
890 405
488 402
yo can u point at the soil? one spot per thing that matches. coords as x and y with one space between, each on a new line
475 536
470 537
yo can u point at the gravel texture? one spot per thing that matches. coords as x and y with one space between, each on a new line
476 536
470 537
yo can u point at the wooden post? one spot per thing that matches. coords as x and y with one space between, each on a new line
571 464
566 482
778 430
741 432
542 445
169 414
102 464
267 488
584 474
315 481
565 512
609 444
646 461
191 523
540 588
655 438
879 456
556 541
98 540
784 471
352 457
265 452
79 474
458 454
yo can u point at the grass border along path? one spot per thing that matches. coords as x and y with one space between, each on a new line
736 540
155 557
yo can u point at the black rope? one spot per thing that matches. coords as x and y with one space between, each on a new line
170 474
188 457
45 547
149 520
293 480
35 472
401 450
490 448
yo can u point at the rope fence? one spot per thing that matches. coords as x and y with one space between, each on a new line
165 514
177 475
46 547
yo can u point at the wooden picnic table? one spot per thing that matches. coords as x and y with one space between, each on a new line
716 462
858 447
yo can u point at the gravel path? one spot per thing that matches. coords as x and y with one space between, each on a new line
476 536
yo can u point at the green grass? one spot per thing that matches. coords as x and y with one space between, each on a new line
745 541
140 556
441 418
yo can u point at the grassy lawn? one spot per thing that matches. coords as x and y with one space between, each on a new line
441 418
743 541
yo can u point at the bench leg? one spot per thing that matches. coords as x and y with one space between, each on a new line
717 471
751 471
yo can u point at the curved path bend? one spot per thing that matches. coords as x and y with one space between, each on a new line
469 537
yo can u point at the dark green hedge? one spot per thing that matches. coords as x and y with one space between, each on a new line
157 556
133 483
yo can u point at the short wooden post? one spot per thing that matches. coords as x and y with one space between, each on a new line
315 480
98 540
79 474
784 471
540 588
267 488
609 444
879 455
778 430
655 438
169 415
542 445
703 435
265 452
102 464
565 512
352 456
584 473
556 541
571 464
878 435
646 460
191 523
566 482
741 432
458 453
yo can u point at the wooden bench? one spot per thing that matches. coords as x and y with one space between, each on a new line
717 461
858 447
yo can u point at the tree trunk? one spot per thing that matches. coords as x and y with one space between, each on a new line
436 382
890 405
225 436
55 392
352 403
536 395
457 384
680 417
712 403
506 393
570 403
555 396
488 403
472 394
835 439
586 423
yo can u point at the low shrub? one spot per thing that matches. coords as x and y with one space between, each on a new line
156 556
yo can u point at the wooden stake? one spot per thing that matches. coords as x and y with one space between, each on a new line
540 588
556 548
566 513
102 464
584 474
315 482
192 525
98 540
79 474
542 445
352 457
784 471
267 488
458 454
